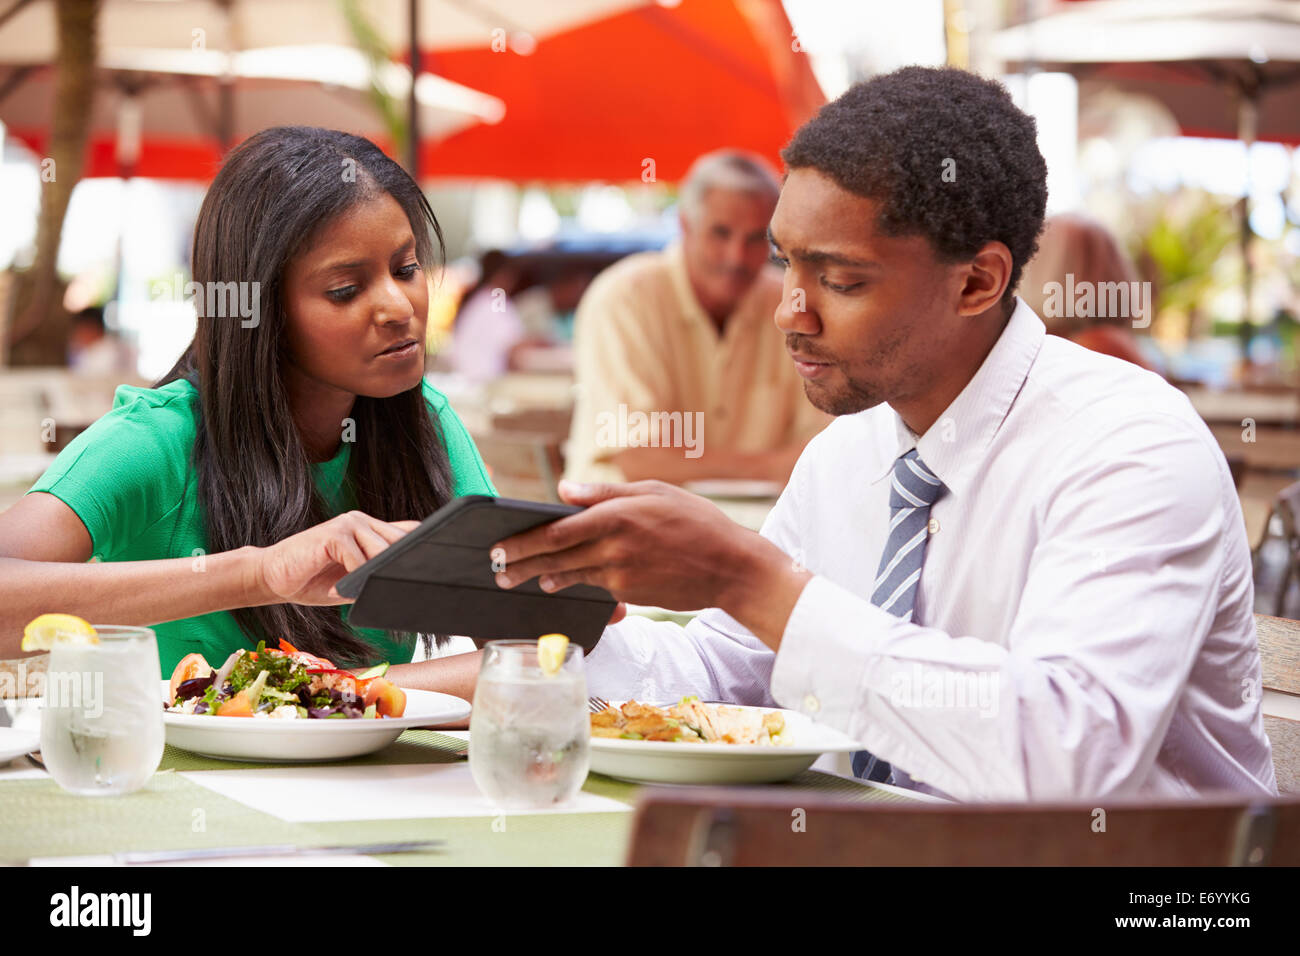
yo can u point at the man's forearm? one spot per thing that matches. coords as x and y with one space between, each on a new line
762 588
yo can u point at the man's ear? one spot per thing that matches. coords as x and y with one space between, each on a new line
985 278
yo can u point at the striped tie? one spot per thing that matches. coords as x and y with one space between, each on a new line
914 489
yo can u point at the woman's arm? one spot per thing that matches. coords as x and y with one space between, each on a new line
455 675
44 550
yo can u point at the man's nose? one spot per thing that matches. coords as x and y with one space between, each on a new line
793 314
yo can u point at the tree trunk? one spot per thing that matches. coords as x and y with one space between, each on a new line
40 329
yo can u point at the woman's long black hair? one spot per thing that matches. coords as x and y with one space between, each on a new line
273 194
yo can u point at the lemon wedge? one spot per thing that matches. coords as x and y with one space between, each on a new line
551 649
44 631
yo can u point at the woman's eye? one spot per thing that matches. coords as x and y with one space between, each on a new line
409 270
342 294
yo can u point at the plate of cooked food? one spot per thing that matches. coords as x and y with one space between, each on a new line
285 705
696 742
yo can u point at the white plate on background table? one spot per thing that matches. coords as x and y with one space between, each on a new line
16 741
735 488
20 727
661 761
263 740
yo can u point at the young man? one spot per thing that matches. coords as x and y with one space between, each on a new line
684 337
1011 568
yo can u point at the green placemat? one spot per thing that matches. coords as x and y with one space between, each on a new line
414 746
168 813
172 813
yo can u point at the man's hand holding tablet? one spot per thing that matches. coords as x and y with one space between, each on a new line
648 542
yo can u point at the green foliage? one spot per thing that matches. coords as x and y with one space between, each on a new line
391 109
1188 243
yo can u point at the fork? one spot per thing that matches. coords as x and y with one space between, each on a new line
597 704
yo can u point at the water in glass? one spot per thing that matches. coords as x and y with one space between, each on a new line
102 721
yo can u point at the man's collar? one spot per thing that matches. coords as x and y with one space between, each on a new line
691 310
955 445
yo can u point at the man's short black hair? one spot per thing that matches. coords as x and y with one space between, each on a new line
947 154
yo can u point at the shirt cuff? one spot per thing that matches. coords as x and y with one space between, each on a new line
826 653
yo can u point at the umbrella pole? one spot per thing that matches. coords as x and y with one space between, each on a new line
1247 128
412 105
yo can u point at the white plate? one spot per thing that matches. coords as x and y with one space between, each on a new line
660 761
264 740
735 488
16 741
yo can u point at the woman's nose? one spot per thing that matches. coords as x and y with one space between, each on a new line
394 306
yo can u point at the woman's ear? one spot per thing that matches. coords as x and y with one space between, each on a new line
985 279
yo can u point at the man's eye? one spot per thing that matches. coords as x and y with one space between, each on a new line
840 288
778 260
342 294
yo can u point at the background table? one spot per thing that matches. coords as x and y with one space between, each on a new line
416 789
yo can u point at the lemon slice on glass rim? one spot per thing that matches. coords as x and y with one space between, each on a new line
551 649
44 632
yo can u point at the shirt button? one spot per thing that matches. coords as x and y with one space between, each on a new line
934 526
811 704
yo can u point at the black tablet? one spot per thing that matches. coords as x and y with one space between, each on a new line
440 579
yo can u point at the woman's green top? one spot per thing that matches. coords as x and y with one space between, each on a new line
130 479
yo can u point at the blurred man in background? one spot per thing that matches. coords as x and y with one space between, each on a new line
681 372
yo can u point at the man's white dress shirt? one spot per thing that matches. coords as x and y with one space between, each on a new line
1084 623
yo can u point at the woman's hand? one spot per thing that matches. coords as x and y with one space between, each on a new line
303 568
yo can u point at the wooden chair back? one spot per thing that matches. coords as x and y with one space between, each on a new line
741 827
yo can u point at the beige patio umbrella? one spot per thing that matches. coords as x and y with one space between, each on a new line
175 97
1222 67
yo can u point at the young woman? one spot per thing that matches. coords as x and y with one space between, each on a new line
290 443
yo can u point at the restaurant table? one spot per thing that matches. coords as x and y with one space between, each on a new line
1234 406
415 789
1264 449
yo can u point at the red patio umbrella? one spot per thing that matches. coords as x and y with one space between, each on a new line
656 83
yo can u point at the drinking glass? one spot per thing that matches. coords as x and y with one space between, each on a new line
102 719
529 732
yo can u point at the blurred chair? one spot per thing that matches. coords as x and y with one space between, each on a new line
1286 507
1279 652
522 464
741 827
554 422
